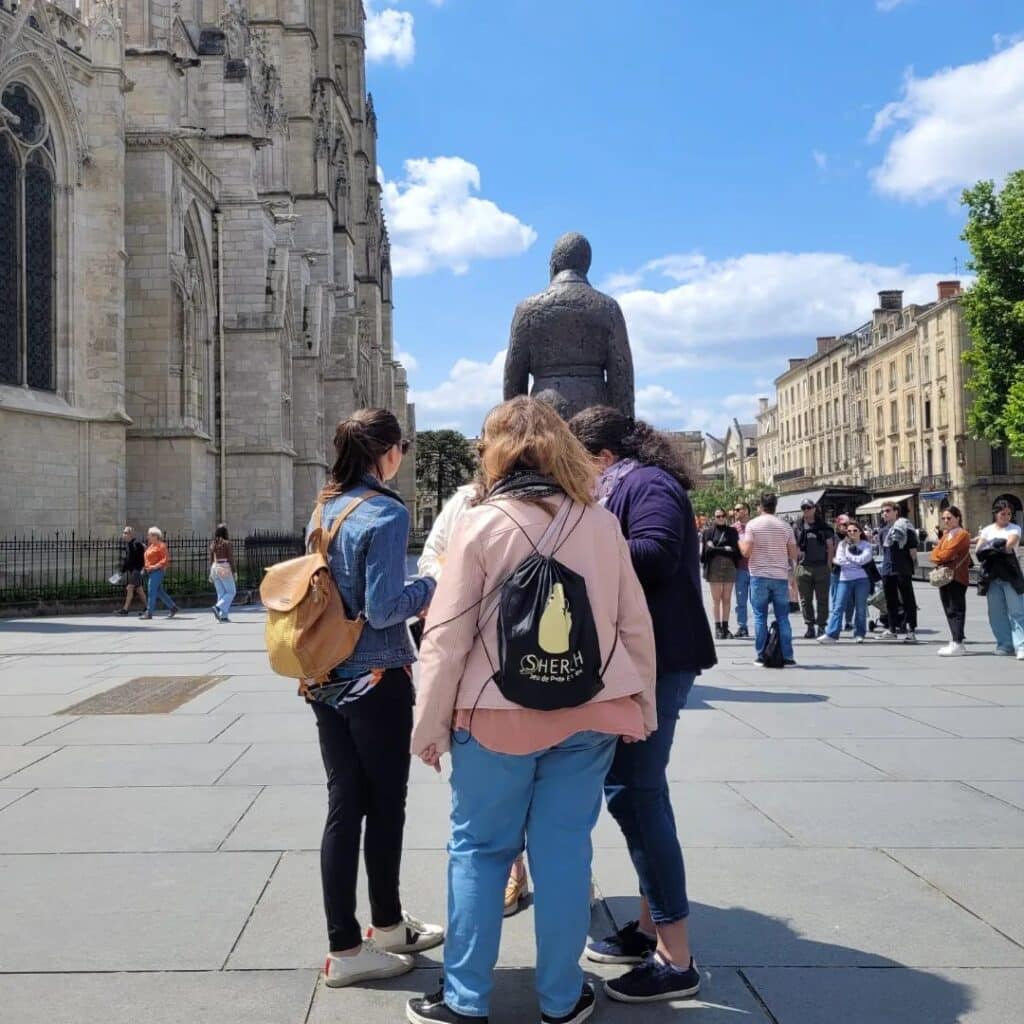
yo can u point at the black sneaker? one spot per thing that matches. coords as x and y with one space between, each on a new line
789 661
628 945
579 1013
742 633
654 980
434 1010
810 634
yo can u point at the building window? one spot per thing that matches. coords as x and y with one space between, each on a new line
894 417
927 414
926 363
909 368
944 460
878 381
819 380
911 412
27 264
999 461
892 375
828 417
942 410
941 362
828 376
913 458
895 460
929 464
829 449
879 421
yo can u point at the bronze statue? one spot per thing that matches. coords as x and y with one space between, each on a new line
572 339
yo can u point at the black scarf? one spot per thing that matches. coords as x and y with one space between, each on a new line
527 484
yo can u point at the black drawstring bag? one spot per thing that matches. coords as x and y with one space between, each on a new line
772 657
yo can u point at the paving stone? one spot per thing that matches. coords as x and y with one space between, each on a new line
297 727
823 722
993 722
282 818
10 796
987 882
167 764
16 731
887 813
922 696
125 912
1011 792
282 701
268 764
266 997
96 730
1002 694
765 907
900 996
770 760
712 723
941 758
141 820
13 759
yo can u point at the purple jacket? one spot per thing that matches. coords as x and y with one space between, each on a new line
657 522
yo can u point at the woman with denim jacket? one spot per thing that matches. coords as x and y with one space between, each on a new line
364 710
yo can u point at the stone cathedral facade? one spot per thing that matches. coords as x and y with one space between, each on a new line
195 278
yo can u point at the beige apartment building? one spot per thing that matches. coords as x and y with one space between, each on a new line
884 408
767 420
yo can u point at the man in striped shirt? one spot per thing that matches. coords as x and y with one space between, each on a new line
771 550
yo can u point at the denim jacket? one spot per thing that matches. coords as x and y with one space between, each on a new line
367 560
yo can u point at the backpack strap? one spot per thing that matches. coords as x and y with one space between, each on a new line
323 541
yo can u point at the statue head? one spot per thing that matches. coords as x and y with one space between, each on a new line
571 252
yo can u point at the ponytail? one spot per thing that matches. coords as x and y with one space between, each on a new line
360 442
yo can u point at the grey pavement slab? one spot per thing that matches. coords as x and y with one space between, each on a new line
10 796
884 995
282 818
766 907
923 696
953 758
14 759
126 912
1002 694
713 723
298 726
30 681
16 731
1011 792
988 882
770 760
282 701
269 764
203 997
32 705
824 721
166 764
994 722
136 820
97 730
887 813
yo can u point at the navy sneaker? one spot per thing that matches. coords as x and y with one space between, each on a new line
628 945
579 1013
654 980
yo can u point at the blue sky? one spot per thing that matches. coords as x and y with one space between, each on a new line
749 174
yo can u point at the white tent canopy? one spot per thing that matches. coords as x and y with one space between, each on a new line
874 507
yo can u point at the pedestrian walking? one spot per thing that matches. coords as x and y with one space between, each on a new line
133 562
851 557
645 484
1001 582
741 516
771 548
898 540
720 550
157 560
222 572
364 709
952 555
520 773
815 540
841 522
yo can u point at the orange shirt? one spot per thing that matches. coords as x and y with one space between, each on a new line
954 550
157 556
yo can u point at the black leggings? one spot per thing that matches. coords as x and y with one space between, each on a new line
900 603
365 749
954 603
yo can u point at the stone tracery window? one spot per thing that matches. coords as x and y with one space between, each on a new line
27 258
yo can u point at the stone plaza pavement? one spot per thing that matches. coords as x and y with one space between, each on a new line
854 831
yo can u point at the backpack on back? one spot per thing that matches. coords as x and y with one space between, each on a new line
549 656
308 631
772 657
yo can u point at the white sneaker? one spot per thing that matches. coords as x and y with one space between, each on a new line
1020 654
952 650
887 634
368 964
411 936
910 638
826 639
1003 654
858 639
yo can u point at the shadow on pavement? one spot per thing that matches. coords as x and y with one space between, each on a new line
700 695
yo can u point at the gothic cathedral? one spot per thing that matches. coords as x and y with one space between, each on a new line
195 279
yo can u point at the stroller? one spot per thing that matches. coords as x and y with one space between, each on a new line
876 600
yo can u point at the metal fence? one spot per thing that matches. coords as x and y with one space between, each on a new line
66 567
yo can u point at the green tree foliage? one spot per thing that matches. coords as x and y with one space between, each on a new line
994 311
725 495
444 461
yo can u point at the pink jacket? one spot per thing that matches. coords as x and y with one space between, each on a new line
486 548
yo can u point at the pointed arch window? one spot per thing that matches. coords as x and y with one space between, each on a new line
27 264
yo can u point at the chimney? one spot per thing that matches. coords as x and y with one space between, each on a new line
762 405
824 343
890 300
794 362
948 290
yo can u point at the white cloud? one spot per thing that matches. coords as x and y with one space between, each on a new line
471 389
663 408
437 223
953 128
407 359
820 159
748 300
390 35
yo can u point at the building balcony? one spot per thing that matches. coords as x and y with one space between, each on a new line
891 481
937 482
790 474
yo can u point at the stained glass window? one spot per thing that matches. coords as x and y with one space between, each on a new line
27 256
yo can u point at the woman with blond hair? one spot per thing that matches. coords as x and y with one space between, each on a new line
156 560
521 775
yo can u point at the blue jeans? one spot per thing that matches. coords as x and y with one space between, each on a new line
742 596
155 591
1006 615
225 593
638 798
552 798
833 590
855 593
765 592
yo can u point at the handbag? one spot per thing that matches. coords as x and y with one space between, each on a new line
943 575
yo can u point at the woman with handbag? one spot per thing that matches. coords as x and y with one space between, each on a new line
222 572
852 556
952 555
720 552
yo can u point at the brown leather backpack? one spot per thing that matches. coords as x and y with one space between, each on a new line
308 631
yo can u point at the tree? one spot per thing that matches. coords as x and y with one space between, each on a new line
724 495
994 311
444 461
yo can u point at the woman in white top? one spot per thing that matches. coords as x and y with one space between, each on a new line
1002 581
